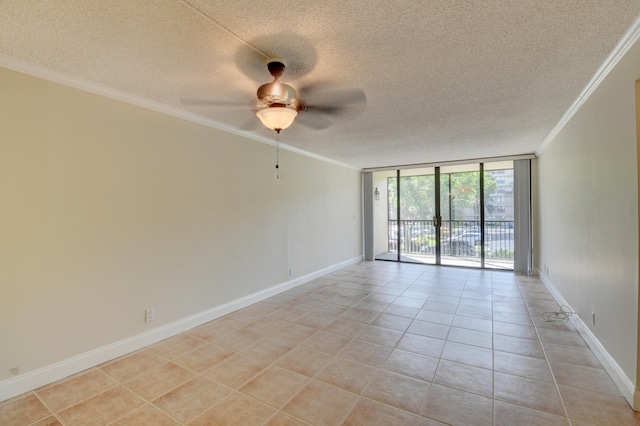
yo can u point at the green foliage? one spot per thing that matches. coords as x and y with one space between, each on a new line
502 254
418 197
418 194
429 241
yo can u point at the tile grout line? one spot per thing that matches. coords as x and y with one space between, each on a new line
544 351
380 366
372 289
421 412
51 412
273 364
493 357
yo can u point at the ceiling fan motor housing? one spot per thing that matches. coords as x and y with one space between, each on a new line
276 92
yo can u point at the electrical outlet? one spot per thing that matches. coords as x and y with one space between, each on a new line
149 315
593 318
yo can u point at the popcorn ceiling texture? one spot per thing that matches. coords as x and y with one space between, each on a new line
445 80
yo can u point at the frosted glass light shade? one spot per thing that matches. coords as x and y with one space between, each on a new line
277 118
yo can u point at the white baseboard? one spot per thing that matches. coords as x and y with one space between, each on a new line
617 374
34 379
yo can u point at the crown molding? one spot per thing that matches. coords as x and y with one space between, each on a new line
49 74
621 49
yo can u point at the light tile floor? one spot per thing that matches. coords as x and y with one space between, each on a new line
375 343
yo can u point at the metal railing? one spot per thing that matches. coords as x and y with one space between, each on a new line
457 238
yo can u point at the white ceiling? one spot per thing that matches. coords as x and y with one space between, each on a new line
444 79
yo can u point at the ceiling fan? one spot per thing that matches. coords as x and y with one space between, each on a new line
279 104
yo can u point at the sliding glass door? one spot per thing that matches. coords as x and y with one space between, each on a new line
417 208
499 217
461 231
459 215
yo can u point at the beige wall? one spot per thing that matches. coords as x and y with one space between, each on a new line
587 213
108 209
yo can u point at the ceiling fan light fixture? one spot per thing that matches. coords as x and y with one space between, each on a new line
277 117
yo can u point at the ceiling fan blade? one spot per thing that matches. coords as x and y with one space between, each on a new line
323 94
342 103
341 97
251 124
328 110
354 103
193 101
312 120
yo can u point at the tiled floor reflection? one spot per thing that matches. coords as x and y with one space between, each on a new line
375 343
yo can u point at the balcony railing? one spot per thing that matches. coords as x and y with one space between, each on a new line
457 238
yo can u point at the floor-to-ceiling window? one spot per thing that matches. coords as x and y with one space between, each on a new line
499 217
458 215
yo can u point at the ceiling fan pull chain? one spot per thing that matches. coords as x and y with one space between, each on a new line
277 154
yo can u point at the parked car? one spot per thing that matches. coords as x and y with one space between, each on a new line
468 243
471 237
458 248
471 229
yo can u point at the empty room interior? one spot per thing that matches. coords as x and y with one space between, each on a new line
319 213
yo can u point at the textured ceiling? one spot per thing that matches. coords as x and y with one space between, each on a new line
444 80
